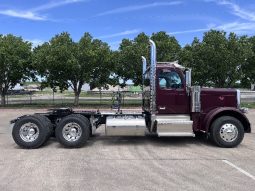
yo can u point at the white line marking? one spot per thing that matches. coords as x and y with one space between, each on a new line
239 169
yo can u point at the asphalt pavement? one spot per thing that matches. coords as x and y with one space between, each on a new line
125 163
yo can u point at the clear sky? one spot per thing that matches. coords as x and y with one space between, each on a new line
112 20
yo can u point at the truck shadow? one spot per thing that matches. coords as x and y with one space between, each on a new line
150 140
180 141
137 141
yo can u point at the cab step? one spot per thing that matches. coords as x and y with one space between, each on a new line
174 126
177 134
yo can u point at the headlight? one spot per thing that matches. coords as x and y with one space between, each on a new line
238 98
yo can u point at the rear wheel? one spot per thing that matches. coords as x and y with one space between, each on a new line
48 124
31 131
227 132
73 131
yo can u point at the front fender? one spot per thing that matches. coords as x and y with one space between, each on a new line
226 111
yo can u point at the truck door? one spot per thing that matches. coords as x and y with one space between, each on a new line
171 96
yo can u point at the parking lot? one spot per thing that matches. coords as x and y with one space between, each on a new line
125 163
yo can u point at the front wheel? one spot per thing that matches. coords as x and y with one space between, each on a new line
227 131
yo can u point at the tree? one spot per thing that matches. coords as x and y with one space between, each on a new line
65 63
102 73
191 57
129 63
248 69
217 59
95 66
168 47
54 60
15 63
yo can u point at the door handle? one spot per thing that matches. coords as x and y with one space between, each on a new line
162 108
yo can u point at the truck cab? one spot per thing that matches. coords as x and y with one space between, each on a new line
172 96
176 108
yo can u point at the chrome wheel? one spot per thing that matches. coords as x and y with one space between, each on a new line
29 132
72 132
229 132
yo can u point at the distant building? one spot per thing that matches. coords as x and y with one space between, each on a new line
18 87
32 87
110 89
128 87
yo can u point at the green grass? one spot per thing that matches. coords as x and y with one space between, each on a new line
48 91
86 103
85 94
69 103
249 105
31 83
18 96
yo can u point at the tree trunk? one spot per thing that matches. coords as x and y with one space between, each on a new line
100 92
76 98
3 101
77 91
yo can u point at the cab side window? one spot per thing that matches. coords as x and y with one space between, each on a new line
169 80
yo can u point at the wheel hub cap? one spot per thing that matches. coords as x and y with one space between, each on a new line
228 132
29 132
72 132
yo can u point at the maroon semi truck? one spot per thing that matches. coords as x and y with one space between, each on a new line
171 108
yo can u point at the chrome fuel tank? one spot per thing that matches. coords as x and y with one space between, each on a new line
125 126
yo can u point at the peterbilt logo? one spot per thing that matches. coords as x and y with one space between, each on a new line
221 98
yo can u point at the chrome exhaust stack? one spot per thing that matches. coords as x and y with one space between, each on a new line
153 76
144 64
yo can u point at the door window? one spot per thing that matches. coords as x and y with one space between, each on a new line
169 80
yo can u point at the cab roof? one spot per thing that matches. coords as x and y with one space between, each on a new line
174 64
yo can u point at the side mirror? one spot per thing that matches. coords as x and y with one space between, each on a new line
188 79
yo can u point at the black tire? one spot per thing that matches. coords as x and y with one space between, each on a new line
47 124
43 127
217 136
82 122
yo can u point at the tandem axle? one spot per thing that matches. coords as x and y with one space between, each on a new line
73 128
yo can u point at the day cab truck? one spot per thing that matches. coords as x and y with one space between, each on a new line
171 107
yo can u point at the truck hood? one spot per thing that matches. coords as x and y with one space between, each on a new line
218 97
225 91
